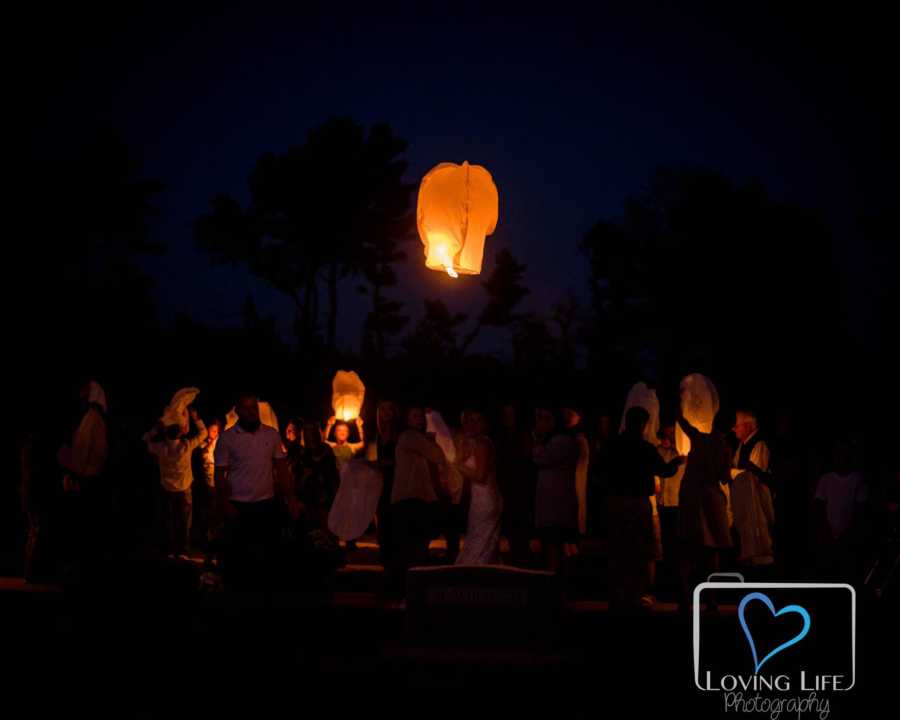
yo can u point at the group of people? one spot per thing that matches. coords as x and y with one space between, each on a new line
238 490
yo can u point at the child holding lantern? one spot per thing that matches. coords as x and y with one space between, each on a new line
344 450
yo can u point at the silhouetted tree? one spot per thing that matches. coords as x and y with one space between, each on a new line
435 335
534 347
716 267
566 316
316 213
381 252
505 291
95 211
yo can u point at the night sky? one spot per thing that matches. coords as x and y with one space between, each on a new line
570 112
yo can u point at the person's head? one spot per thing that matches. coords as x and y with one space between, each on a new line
545 420
745 425
571 417
214 428
247 409
293 431
473 422
312 435
92 395
508 417
636 419
341 432
667 435
415 418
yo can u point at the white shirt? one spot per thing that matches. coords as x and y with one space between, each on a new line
759 455
841 494
174 458
250 459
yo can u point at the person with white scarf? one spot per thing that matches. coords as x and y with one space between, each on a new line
173 448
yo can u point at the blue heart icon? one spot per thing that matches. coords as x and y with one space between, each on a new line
786 609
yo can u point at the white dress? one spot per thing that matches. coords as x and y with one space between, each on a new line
482 540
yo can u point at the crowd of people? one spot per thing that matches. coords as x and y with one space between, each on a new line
529 490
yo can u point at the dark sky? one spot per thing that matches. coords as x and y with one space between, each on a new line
569 109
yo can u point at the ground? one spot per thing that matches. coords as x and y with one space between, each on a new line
154 648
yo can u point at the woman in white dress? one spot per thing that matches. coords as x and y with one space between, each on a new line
476 462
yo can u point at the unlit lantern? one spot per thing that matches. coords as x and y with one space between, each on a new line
348 393
457 208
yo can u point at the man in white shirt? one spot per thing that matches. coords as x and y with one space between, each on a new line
752 493
250 465
752 453
173 449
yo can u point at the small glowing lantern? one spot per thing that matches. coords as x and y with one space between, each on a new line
347 395
699 405
457 208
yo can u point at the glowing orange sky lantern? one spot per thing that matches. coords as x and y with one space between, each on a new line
457 208
347 395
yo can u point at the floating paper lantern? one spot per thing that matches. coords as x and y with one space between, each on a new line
457 209
643 396
176 412
347 395
699 405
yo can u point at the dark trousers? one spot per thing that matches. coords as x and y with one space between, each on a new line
630 522
518 528
250 545
202 525
88 521
668 520
177 516
412 528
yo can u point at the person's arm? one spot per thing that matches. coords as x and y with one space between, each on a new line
661 468
202 432
357 446
686 427
84 441
330 424
758 464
